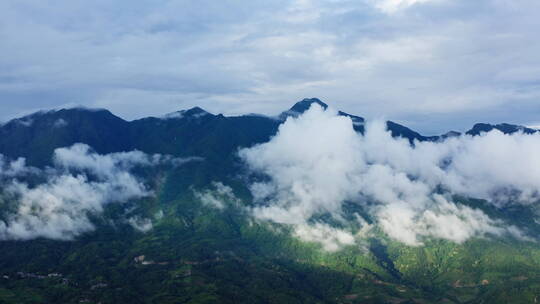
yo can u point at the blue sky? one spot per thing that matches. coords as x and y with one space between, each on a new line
434 65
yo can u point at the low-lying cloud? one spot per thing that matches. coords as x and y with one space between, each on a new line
80 183
219 197
317 163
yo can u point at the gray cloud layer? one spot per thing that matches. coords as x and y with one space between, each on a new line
456 61
317 162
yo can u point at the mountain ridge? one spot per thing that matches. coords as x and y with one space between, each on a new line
295 110
182 133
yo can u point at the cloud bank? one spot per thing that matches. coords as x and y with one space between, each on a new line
316 164
80 184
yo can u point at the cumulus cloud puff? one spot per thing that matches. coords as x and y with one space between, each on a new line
80 183
316 164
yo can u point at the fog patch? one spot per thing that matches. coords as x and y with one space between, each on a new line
219 196
60 123
141 224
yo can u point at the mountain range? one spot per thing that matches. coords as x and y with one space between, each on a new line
187 132
160 210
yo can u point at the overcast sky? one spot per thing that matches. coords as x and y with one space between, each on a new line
434 65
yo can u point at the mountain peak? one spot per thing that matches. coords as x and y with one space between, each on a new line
194 112
304 104
451 134
503 127
59 115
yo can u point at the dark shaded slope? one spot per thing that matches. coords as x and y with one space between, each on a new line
398 130
479 128
201 134
215 138
36 136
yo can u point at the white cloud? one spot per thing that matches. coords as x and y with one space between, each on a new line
444 220
332 239
81 183
391 6
15 168
141 224
60 208
219 197
317 162
60 123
